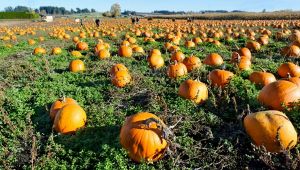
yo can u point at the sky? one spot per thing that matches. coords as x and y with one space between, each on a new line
172 5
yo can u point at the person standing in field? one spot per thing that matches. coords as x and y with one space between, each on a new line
97 21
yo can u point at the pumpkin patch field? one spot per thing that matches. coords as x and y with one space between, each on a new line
159 94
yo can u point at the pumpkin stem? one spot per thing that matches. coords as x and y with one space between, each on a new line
223 67
262 69
289 75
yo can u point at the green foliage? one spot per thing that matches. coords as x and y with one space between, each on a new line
18 15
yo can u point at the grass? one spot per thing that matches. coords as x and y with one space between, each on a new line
209 136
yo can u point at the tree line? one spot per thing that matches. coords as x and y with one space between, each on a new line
49 10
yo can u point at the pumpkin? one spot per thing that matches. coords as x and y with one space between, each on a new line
244 63
271 129
58 104
219 77
39 50
177 70
76 66
253 46
99 47
295 80
177 56
245 52
142 136
213 59
262 78
76 54
279 92
190 44
56 51
156 61
125 51
118 67
69 119
289 68
82 46
193 90
138 49
155 51
31 42
121 78
103 54
192 63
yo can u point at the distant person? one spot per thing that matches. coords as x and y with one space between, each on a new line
133 20
81 22
137 20
97 22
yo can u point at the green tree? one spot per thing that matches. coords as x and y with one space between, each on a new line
115 10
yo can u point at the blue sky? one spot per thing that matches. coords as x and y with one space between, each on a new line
151 5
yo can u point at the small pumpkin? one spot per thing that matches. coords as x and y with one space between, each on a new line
82 46
262 78
279 92
103 54
271 129
213 59
125 51
192 63
253 46
76 54
118 67
177 56
39 50
219 77
193 90
177 70
58 104
121 78
289 68
69 119
142 136
156 61
56 51
76 66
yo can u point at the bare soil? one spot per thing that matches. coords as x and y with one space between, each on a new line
13 22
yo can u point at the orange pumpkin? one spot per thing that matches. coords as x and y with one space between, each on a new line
177 70
289 68
82 46
213 59
103 54
271 129
219 77
69 119
253 46
121 78
192 63
125 51
190 44
193 90
76 66
58 104
56 51
142 136
279 92
262 78
156 61
118 67
244 63
39 50
76 54
177 56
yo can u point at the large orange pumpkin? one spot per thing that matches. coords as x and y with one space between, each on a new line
58 104
289 68
82 46
192 63
262 78
177 70
219 77
142 136
193 90
69 119
121 78
271 129
76 66
125 51
213 59
118 67
156 61
279 92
